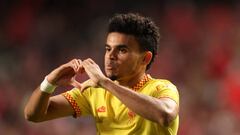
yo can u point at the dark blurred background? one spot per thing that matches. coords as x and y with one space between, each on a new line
199 52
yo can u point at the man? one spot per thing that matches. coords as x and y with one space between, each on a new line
126 100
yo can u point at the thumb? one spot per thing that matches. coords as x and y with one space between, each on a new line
87 84
76 84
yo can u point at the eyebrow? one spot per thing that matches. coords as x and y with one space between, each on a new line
118 46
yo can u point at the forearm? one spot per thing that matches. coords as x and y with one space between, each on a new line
41 106
145 106
37 105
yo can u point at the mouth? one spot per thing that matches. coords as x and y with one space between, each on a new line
110 64
110 67
111 70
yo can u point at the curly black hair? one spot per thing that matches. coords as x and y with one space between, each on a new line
142 28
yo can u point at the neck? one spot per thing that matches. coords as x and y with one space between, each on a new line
130 81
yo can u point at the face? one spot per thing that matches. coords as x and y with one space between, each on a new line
123 57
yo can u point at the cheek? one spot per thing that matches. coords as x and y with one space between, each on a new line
130 63
125 59
105 56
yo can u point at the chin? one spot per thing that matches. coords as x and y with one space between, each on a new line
113 77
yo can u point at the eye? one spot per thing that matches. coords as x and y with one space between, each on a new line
107 49
122 50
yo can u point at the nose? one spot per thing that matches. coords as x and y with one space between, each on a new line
112 55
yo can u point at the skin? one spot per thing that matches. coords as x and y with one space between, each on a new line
125 63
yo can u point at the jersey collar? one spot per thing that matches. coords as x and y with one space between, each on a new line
142 82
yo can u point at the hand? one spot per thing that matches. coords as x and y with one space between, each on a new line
86 84
93 71
65 74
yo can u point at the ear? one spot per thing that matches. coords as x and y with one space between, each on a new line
147 57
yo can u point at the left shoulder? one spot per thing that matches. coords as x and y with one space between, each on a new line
162 84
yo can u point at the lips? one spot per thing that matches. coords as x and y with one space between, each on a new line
110 66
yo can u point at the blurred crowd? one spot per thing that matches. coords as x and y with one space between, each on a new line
199 52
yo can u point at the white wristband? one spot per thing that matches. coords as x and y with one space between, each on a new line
47 87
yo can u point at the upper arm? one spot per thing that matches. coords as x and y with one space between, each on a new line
169 110
58 107
168 99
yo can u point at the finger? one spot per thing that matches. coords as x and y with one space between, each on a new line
77 65
90 68
74 65
86 61
91 61
81 69
87 68
79 62
86 64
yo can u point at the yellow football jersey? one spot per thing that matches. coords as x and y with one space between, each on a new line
114 118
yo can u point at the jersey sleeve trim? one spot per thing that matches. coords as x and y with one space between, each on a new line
73 103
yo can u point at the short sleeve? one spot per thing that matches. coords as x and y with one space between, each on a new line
78 101
166 89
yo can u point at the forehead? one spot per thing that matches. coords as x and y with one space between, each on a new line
115 39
